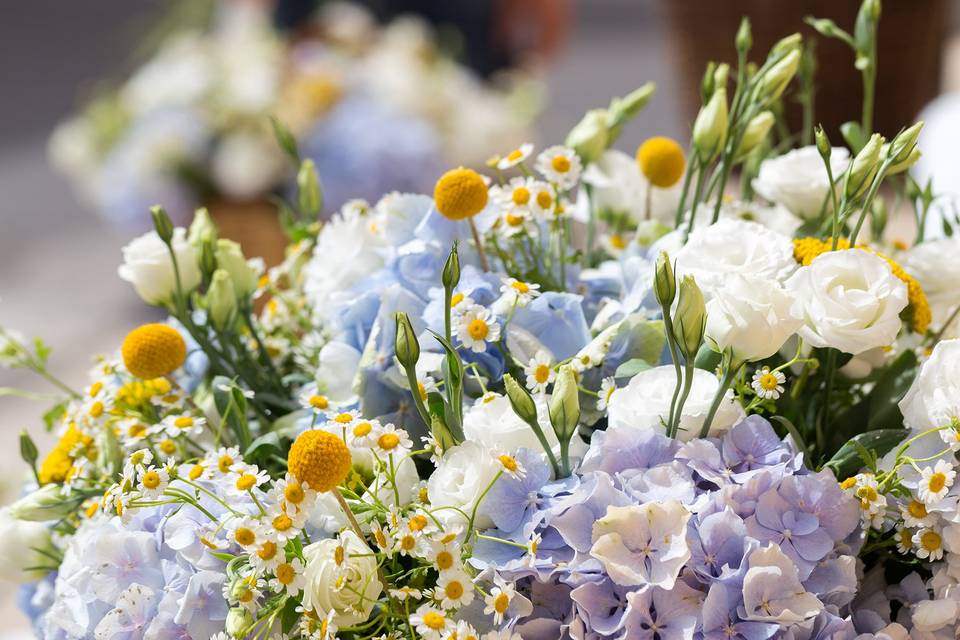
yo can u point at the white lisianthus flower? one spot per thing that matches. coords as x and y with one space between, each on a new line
798 179
713 253
642 544
850 300
935 266
645 403
772 591
350 592
464 473
620 188
19 540
933 399
750 316
148 267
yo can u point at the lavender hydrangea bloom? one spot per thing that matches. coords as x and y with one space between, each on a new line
661 614
512 501
718 545
752 445
618 451
601 605
721 622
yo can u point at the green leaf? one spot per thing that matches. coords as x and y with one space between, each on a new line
863 450
226 557
883 410
54 414
270 440
646 338
289 615
853 135
232 407
29 395
631 368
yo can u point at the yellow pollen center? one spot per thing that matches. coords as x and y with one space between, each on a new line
95 388
168 446
282 522
454 590
541 374
137 430
514 220
285 573
244 536
293 493
917 509
501 602
509 463
319 402
521 287
545 199
478 329
96 409
930 541
388 441
514 155
407 543
848 483
418 522
343 418
456 299
560 164
151 479
617 241
224 463
246 482
267 550
521 196
183 422
339 554
362 429
768 382
434 620
444 560
937 482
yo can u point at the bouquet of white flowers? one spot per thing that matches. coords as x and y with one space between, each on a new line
590 397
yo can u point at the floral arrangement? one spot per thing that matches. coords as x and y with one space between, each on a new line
376 108
588 396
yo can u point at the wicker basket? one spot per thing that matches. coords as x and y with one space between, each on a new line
910 45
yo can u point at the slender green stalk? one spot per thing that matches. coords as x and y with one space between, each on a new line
687 385
725 383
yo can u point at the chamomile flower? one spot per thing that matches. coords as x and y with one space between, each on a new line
463 630
514 222
407 542
518 293
454 590
511 466
540 372
380 536
245 532
616 243
515 157
132 432
768 384
341 422
607 387
433 445
168 449
137 462
516 194
460 302
560 165
873 504
904 539
935 482
267 556
247 478
476 327
498 601
282 525
951 436
928 544
430 622
312 400
543 201
915 514
288 577
444 555
153 482
293 495
405 592
390 440
363 433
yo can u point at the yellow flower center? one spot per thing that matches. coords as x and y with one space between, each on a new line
848 483
460 193
268 550
408 542
545 199
151 480
454 590
422 390
501 602
456 299
244 536
195 471
444 560
514 220
168 446
153 350
95 388
768 382
183 422
423 495
282 522
509 463
224 463
937 482
905 538
96 409
339 555
917 509
867 495
514 155
388 441
285 573
521 196
362 429
541 374
343 418
560 164
434 620
521 287
478 329
319 402
661 161
246 481
137 430
293 493
930 541
617 241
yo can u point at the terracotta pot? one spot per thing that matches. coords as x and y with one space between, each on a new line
909 50
254 225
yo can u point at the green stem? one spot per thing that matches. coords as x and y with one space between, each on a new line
675 356
687 385
591 227
725 383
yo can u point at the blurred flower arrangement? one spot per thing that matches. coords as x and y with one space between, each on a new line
376 108
460 417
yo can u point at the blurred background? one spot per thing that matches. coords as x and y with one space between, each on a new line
58 258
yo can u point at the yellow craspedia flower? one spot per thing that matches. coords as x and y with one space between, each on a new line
319 459
661 161
917 313
460 193
153 350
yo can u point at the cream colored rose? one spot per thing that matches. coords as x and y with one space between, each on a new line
936 267
148 267
798 179
350 591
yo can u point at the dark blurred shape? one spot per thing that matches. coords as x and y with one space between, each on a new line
911 38
492 34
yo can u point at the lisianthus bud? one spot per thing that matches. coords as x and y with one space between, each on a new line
28 449
208 259
901 166
238 622
406 346
757 129
564 407
865 167
242 273
710 127
162 223
589 137
202 228
777 78
744 39
520 399
786 44
665 282
621 110
450 277
45 504
720 76
221 300
708 82
309 196
906 141
690 318
823 143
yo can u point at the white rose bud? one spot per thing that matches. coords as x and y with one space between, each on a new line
751 316
148 267
849 300
19 540
464 473
350 594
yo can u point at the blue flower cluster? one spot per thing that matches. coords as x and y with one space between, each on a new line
756 545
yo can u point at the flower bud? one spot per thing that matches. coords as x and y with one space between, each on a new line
162 223
744 39
823 143
450 277
109 454
689 320
208 259
221 300
865 167
785 45
707 84
520 399
309 196
720 76
564 407
621 110
238 622
406 345
28 449
664 282
710 127
202 228
905 142
755 133
904 164
590 136
231 259
45 504
777 78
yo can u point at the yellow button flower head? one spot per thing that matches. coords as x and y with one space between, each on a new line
460 193
661 161
153 350
320 459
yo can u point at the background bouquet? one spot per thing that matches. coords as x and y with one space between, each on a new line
589 397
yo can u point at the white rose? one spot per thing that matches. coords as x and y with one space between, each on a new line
645 403
935 266
850 300
619 186
934 397
351 600
776 217
798 179
751 316
148 267
713 253
19 540
464 473
492 422
246 165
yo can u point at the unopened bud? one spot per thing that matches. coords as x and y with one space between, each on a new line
450 277
589 137
865 167
406 345
238 622
309 196
689 321
162 223
665 282
744 39
710 127
756 132
243 274
520 399
823 143
906 163
28 449
202 228
906 141
720 76
564 407
785 45
221 300
777 78
45 505
622 110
